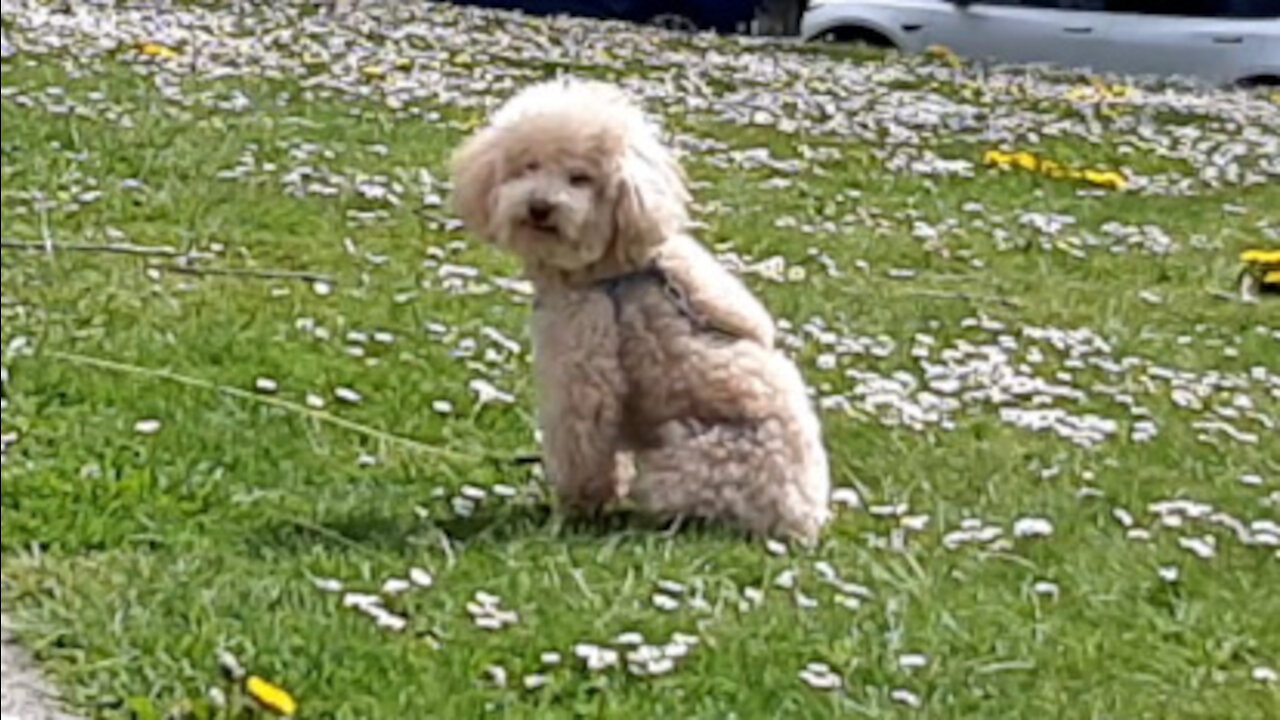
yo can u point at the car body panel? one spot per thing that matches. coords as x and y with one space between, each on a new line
1217 49
1006 33
1086 35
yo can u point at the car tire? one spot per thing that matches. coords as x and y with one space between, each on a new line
1259 81
854 35
673 22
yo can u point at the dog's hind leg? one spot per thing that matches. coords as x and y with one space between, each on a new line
765 477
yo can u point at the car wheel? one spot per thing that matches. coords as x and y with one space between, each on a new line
856 36
674 22
1259 81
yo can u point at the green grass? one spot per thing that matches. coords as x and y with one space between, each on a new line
130 558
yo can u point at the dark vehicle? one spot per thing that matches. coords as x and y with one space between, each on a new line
755 17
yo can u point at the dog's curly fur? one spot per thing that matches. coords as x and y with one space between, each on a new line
662 387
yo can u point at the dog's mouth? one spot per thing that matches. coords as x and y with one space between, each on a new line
545 227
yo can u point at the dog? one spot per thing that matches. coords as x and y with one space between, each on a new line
657 376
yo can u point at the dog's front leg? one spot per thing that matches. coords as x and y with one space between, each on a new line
581 388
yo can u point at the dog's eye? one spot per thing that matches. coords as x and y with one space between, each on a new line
531 166
580 179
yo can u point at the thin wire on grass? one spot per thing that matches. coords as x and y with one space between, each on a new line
166 251
966 297
326 532
939 295
320 415
246 272
115 248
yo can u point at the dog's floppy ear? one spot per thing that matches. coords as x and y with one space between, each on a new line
475 167
652 198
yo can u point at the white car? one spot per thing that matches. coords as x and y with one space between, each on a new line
1219 41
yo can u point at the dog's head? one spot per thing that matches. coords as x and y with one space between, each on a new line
569 173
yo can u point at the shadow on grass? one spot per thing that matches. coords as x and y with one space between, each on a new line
368 530
516 522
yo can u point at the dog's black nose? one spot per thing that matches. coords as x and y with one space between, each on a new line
540 210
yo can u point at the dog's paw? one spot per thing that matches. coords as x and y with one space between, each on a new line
586 502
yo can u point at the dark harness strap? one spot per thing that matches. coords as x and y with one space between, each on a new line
614 287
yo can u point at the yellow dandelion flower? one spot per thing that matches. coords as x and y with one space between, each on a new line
1105 178
1121 92
1028 161
995 157
1080 94
1025 160
1053 169
1098 91
157 50
945 54
271 696
1258 256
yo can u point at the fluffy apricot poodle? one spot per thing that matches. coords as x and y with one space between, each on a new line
656 371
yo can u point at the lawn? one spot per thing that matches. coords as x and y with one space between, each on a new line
262 395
